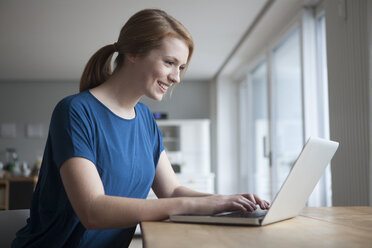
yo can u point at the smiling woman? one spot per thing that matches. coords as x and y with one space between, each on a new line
104 150
159 69
143 32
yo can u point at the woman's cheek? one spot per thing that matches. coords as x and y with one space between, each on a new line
162 72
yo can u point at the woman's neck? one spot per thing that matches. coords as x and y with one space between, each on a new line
119 94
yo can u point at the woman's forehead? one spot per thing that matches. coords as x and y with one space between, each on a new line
175 47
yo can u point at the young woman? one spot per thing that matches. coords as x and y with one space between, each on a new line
104 150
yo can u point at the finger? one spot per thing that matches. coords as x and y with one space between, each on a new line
250 197
263 204
237 206
259 201
250 206
267 204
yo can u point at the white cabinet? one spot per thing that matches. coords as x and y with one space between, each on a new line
201 183
187 143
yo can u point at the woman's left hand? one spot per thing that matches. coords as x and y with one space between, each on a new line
264 205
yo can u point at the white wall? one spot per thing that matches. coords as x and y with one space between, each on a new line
226 133
349 100
23 102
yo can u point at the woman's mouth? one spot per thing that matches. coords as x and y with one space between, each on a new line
163 86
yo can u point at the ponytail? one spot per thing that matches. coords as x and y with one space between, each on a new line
98 68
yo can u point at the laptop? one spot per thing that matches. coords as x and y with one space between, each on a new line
292 196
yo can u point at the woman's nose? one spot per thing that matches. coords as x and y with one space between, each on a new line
174 76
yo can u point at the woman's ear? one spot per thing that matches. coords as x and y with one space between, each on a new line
131 57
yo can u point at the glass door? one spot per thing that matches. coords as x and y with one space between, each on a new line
259 132
273 123
275 129
286 107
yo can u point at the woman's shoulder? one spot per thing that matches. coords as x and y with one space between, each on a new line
74 101
143 108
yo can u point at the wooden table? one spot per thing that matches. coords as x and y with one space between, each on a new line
315 227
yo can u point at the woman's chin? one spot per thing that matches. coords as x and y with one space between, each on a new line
157 97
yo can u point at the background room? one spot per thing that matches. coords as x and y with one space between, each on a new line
265 76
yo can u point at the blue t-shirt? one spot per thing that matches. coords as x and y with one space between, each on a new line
125 153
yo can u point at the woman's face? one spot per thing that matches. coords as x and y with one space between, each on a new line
161 67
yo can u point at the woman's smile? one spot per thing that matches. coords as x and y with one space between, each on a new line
163 86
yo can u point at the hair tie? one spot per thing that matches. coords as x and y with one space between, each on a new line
116 47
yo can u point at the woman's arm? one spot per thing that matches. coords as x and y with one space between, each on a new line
166 185
99 211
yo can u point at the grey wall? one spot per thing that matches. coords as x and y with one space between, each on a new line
349 99
23 102
189 100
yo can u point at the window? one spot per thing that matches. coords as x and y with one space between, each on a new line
287 120
285 102
322 194
259 131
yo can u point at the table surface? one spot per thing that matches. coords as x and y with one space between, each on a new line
314 227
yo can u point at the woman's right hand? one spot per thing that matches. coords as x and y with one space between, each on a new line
215 204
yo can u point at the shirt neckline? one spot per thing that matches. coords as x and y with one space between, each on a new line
111 112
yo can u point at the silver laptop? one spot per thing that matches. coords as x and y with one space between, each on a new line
291 198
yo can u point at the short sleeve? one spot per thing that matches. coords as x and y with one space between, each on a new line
158 142
70 133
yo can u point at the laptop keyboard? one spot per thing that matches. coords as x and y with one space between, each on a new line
244 214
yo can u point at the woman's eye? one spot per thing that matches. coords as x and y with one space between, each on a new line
172 63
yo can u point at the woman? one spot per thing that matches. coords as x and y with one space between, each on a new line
104 150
